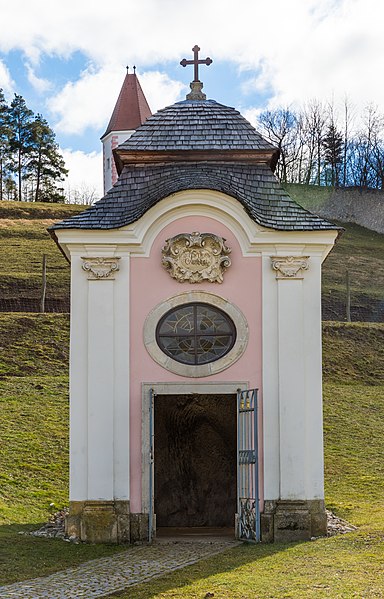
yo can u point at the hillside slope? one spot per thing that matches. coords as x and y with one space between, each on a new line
24 240
364 207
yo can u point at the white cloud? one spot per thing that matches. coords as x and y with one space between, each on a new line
160 90
85 103
6 82
85 171
39 84
89 102
328 56
293 50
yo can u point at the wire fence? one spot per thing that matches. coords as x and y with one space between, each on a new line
357 309
350 295
337 309
21 304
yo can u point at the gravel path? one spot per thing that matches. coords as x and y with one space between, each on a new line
101 577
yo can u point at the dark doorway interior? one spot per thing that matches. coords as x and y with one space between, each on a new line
195 460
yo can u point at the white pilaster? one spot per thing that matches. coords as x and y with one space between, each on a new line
292 373
99 382
313 381
271 433
291 388
78 459
100 389
122 380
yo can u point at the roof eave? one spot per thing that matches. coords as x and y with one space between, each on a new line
124 157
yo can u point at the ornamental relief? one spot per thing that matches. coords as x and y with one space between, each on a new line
99 269
196 257
290 267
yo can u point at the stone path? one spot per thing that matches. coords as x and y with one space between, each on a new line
101 577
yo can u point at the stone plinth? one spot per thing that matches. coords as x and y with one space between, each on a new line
99 521
286 521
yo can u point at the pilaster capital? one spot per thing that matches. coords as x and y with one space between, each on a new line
99 268
290 267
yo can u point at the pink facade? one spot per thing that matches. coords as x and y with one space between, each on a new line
151 285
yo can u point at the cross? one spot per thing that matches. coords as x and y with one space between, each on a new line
196 62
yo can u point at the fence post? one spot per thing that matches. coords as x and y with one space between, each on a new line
348 300
43 284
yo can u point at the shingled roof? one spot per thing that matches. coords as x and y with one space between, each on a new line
196 145
196 125
141 187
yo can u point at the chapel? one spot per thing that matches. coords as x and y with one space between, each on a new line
195 353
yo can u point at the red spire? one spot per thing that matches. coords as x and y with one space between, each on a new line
131 109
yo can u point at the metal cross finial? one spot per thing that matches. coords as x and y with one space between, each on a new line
196 62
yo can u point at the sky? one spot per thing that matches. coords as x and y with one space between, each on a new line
68 59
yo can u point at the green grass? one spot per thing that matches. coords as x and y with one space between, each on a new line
23 241
359 251
23 557
33 344
38 210
353 353
343 567
34 474
308 196
34 448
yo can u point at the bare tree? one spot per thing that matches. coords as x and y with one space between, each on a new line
280 128
315 121
368 148
348 122
82 194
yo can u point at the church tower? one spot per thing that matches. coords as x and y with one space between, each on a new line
131 111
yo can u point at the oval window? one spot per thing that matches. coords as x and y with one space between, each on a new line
195 333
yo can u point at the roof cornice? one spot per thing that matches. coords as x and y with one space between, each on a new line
124 157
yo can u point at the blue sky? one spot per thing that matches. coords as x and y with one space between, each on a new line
68 59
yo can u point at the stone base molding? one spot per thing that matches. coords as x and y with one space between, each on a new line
105 522
282 521
286 521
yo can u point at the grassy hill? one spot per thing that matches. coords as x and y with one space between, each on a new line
24 240
359 251
34 473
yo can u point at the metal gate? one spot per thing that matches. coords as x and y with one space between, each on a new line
150 458
248 511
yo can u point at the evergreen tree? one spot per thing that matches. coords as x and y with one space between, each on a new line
333 146
21 138
4 143
45 163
